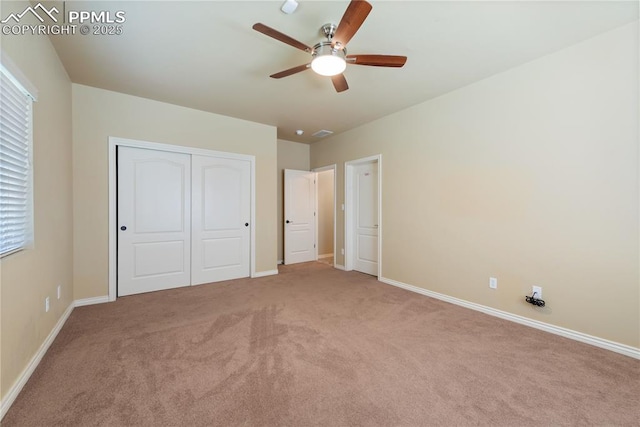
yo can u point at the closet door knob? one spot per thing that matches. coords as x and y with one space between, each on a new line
246 224
123 228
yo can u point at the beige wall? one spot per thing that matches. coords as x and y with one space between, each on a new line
99 114
29 276
325 212
530 176
291 155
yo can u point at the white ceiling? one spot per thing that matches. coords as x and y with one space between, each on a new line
204 54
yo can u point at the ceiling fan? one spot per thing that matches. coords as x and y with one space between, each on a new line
329 58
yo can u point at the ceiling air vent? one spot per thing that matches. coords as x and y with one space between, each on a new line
322 133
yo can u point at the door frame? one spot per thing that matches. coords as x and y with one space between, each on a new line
114 143
348 210
333 168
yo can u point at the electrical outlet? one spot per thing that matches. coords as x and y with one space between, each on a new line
537 290
59 291
493 283
46 305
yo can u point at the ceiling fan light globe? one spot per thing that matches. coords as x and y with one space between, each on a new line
328 65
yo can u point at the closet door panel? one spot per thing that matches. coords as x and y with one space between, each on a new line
221 210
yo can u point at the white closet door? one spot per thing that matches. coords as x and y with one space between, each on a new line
220 219
154 220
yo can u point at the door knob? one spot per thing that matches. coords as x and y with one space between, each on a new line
287 221
123 228
246 224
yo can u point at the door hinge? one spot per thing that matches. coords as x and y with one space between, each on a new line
314 245
314 214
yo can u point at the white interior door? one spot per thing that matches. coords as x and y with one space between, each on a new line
299 216
154 220
220 219
365 181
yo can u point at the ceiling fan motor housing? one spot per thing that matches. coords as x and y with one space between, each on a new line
325 48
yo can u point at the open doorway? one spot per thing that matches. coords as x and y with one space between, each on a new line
325 179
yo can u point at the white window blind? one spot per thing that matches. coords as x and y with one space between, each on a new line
16 219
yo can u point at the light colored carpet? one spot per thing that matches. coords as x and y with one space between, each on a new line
314 346
328 260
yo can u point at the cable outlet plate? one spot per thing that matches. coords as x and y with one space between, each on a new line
536 291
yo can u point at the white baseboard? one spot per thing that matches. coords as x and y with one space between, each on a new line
557 330
16 388
339 267
325 256
91 301
265 273
280 262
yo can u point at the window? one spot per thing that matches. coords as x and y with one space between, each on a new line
16 199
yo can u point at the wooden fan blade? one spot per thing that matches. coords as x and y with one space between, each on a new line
268 31
290 71
340 82
351 21
377 60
